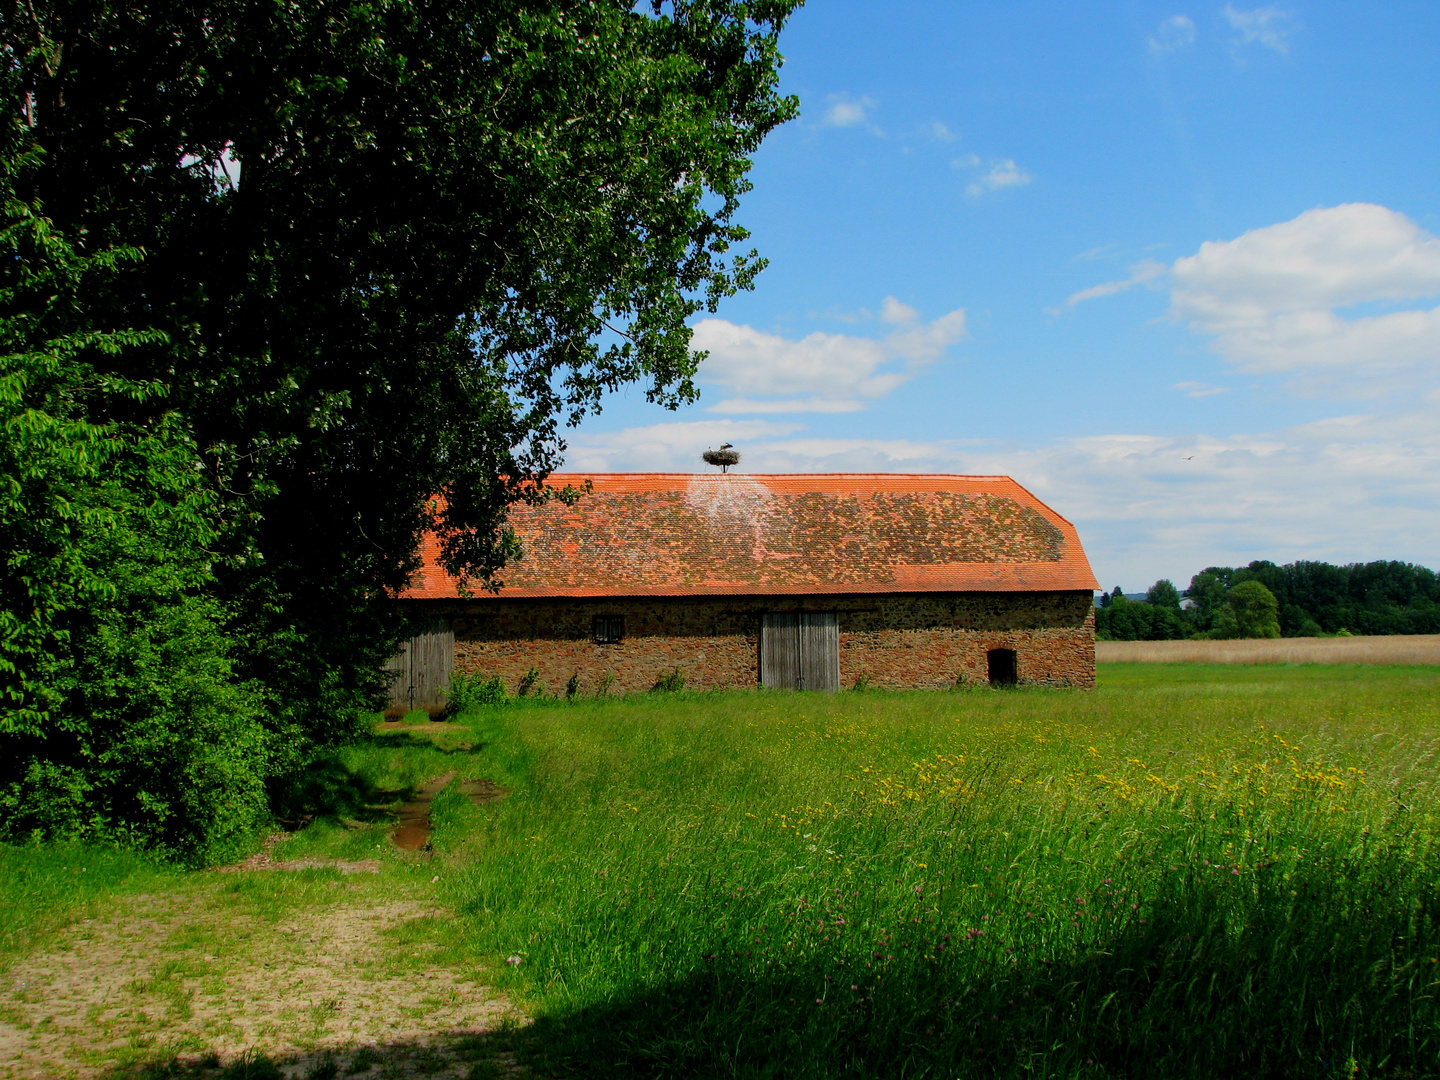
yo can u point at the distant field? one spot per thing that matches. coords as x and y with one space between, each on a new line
1397 649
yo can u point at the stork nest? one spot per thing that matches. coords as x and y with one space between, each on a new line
723 458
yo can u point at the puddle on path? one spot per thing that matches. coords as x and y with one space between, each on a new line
412 831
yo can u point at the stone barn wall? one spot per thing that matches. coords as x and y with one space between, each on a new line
893 640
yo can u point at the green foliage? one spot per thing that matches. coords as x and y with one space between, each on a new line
1251 611
671 682
1163 594
1316 597
473 690
1126 620
1147 880
123 717
390 249
1207 593
572 685
530 683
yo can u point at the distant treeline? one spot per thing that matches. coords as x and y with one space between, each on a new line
1301 599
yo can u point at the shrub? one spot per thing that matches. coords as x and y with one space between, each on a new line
528 683
124 716
468 692
572 685
670 682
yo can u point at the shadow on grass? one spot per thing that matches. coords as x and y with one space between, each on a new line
1187 994
328 790
463 1055
1146 1007
423 738
1101 1016
1148 1004
1317 988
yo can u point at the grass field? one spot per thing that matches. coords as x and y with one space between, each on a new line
1192 871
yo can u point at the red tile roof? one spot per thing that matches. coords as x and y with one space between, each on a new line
682 534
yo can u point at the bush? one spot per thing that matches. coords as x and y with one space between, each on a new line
530 683
469 692
124 716
669 683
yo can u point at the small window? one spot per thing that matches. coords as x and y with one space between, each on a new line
1003 668
609 629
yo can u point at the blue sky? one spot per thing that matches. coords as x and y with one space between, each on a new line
1171 266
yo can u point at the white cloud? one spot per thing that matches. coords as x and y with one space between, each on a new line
1176 32
674 446
821 372
893 311
1267 26
843 111
1002 173
1143 271
942 132
1200 389
1272 298
1355 487
747 406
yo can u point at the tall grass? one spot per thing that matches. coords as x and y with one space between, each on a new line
1186 873
1391 649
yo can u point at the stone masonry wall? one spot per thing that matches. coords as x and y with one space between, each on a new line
926 640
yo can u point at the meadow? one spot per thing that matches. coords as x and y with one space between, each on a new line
1191 871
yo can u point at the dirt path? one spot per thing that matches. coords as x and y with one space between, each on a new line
196 979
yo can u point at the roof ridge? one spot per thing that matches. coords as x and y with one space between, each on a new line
691 475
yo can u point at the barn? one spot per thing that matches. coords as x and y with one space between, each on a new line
807 581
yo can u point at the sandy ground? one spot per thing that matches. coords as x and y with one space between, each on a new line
181 977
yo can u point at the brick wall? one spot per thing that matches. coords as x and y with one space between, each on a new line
893 640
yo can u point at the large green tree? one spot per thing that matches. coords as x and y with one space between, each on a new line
384 251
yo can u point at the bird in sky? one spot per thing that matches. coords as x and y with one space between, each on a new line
726 446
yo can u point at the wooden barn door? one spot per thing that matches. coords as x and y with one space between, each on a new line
420 671
800 651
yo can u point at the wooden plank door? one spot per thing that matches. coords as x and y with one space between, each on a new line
780 651
420 672
819 651
800 651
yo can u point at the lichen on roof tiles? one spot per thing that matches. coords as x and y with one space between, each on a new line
679 534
